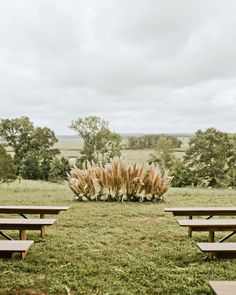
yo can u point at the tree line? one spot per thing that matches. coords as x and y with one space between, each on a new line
210 159
149 141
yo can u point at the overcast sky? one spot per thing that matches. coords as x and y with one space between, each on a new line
143 65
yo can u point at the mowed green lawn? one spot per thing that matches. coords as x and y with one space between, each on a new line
113 248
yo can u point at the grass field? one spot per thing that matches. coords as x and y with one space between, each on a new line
113 248
70 148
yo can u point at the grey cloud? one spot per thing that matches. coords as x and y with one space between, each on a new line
144 65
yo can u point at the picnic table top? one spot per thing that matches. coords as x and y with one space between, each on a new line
29 221
208 222
201 210
223 287
217 247
32 209
15 246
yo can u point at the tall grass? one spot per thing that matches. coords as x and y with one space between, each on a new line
119 181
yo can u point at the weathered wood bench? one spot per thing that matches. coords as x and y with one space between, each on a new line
41 210
201 211
23 225
211 226
221 250
8 248
223 287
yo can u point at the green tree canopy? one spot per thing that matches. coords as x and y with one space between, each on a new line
7 167
209 157
100 144
32 146
163 153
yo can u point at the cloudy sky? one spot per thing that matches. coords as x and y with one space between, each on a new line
143 65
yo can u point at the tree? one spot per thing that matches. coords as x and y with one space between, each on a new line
150 141
163 153
209 157
32 146
7 167
100 144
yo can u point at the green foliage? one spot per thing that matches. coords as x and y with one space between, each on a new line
59 169
32 146
100 144
210 158
163 153
150 141
7 167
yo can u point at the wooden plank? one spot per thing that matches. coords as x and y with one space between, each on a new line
30 224
33 209
217 247
15 246
7 248
202 211
223 287
209 223
26 224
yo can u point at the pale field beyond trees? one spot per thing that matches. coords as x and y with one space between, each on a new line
70 147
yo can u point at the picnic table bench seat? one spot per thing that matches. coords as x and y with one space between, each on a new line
42 210
210 225
8 248
202 211
25 224
223 287
223 250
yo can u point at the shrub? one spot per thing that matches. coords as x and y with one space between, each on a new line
118 181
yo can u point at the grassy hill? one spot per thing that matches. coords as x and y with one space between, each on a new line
113 248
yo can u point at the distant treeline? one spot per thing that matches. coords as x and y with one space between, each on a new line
150 141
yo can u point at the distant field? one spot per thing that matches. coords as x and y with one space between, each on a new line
70 148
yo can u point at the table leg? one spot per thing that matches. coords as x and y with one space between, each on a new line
43 231
190 229
211 238
23 235
23 254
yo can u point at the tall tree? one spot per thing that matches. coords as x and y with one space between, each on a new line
163 153
32 146
209 157
100 144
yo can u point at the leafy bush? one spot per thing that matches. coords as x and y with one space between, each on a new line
118 181
59 169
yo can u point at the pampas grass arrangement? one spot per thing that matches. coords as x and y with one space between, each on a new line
119 181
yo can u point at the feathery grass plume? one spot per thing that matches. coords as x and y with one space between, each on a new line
119 181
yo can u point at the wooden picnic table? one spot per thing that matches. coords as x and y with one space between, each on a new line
211 225
22 210
7 248
201 211
223 287
24 224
